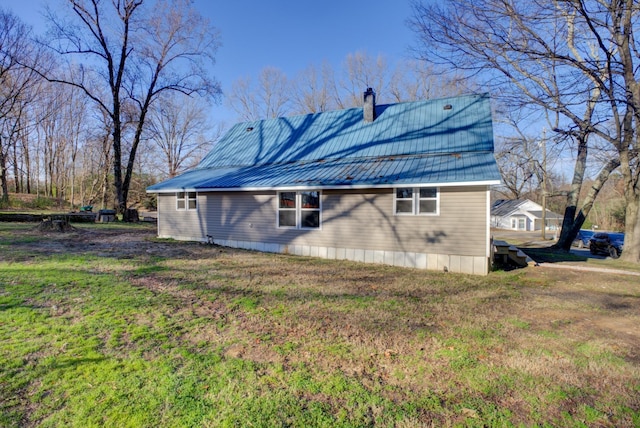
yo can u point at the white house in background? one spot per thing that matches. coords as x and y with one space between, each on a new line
522 214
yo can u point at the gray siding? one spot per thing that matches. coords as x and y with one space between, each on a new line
358 219
180 224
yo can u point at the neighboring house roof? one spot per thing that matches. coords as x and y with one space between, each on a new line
549 216
408 143
504 207
507 207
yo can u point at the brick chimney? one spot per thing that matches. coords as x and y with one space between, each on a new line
369 108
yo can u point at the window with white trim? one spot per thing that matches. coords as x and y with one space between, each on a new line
299 210
186 201
416 201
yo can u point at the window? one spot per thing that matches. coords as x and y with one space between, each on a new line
428 200
287 209
299 210
404 201
416 201
186 201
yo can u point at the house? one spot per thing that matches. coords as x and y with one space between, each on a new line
403 184
522 214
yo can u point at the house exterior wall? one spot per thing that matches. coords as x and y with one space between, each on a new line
522 213
525 209
501 222
357 225
520 221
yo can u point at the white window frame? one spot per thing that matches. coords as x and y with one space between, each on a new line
415 201
299 209
188 200
419 198
405 199
293 209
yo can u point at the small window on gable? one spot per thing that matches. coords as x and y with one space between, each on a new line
186 201
416 201
299 210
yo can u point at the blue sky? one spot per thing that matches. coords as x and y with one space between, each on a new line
286 34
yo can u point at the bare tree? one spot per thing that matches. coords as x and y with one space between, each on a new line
54 141
130 52
313 89
410 80
572 59
180 129
99 160
516 169
521 156
243 101
319 88
268 98
361 71
419 80
17 79
75 122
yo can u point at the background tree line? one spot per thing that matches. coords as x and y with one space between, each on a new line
104 103
320 87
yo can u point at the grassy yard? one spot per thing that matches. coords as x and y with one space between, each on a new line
108 326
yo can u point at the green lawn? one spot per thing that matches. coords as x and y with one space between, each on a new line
120 329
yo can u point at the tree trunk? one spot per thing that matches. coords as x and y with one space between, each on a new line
131 216
117 160
129 171
27 162
73 175
572 223
16 169
631 250
3 178
105 188
134 145
628 144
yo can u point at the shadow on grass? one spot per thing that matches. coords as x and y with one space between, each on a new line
551 255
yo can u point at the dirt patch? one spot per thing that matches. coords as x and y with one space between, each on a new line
109 242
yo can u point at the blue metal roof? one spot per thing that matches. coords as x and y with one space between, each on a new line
408 143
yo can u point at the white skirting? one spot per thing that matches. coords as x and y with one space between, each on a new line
477 265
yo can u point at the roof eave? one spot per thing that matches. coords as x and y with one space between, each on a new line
327 187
